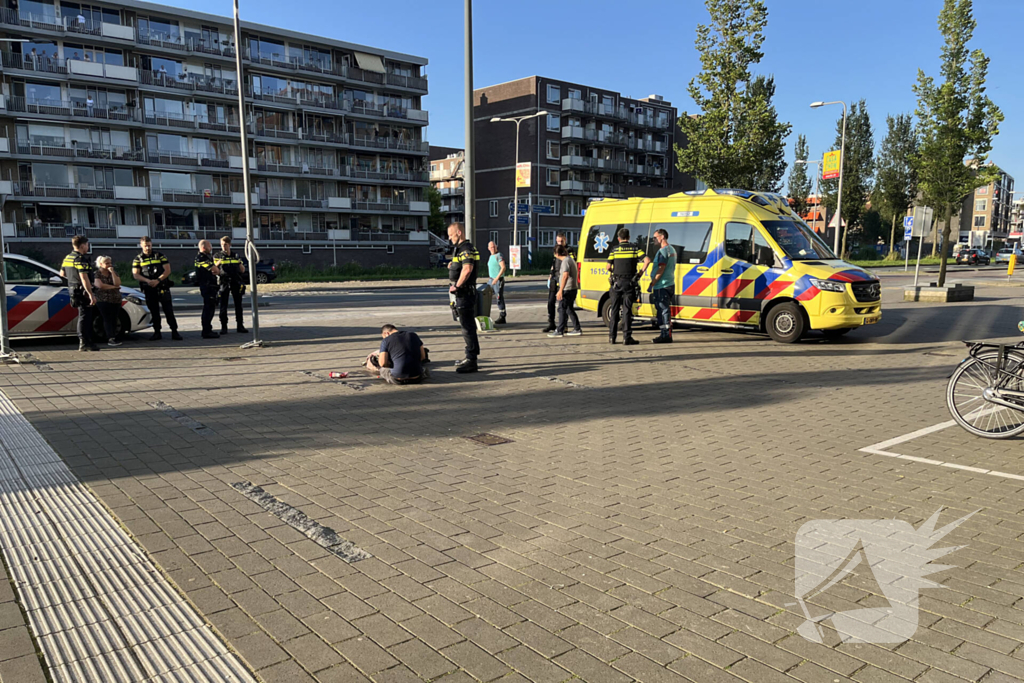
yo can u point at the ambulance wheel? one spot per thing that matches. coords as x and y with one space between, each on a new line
785 323
835 334
606 315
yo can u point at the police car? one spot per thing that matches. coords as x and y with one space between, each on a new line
38 303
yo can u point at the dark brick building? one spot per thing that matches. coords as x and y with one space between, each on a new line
593 143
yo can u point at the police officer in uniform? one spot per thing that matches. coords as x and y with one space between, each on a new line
462 276
206 277
78 270
231 271
623 260
553 279
152 271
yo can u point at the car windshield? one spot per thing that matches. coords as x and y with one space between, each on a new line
798 241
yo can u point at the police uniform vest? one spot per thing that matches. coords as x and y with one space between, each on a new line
464 253
77 267
556 265
150 266
204 274
230 265
624 259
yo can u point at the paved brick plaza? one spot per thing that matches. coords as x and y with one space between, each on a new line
639 525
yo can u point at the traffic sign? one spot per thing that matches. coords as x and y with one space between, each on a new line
523 208
908 222
908 233
542 208
523 220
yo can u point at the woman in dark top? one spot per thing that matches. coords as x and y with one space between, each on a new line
107 286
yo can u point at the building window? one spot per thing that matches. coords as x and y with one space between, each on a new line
982 190
494 237
554 93
575 94
553 203
553 150
546 238
572 207
979 221
981 205
433 167
553 121
494 208
552 177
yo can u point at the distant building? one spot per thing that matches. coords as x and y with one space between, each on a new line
985 216
447 176
1017 220
592 143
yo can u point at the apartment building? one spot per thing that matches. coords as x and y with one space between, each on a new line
986 214
120 119
447 176
591 143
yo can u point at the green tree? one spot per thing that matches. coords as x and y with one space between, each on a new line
799 181
858 167
736 139
435 222
956 121
895 175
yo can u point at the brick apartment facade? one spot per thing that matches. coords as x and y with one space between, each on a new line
447 176
594 143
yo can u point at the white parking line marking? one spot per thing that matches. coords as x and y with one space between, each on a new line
880 449
96 604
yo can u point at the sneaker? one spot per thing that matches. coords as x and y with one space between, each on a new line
241 329
223 329
466 367
113 342
550 328
556 335
611 340
175 336
84 347
663 340
629 341
574 333
500 321
210 335
156 337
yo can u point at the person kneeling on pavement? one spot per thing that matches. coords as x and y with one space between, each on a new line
401 357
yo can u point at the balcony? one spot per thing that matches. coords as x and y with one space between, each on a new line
594 189
177 158
115 72
590 108
609 165
606 137
24 189
325 67
390 142
572 186
189 82
185 197
65 108
64 230
292 202
35 63
453 191
80 151
188 122
13 17
223 48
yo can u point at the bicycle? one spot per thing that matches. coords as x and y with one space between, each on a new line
985 394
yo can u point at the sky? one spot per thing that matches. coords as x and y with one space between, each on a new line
837 50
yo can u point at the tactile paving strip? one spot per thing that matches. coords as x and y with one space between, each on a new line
99 609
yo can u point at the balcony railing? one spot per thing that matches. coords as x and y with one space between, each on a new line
379 206
80 151
70 108
183 197
325 66
293 202
24 189
175 158
13 17
388 142
224 48
64 230
610 165
30 62
188 122
189 82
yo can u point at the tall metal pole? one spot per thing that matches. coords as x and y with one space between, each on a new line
6 354
839 201
515 197
250 247
470 165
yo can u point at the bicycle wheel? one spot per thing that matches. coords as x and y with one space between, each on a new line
968 405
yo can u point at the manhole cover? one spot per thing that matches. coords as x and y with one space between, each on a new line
233 359
489 439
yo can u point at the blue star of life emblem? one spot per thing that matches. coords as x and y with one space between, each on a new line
601 242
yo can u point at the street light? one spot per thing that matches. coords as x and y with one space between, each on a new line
842 162
250 246
6 354
515 201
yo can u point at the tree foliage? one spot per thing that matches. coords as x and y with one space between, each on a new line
735 139
858 168
956 121
895 175
435 222
799 181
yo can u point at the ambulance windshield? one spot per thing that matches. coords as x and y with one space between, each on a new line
798 241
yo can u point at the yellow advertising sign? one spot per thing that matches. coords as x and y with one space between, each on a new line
830 169
523 174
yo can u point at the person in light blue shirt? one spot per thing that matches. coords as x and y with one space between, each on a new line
496 273
663 285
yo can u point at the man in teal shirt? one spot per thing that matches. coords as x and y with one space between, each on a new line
496 272
663 284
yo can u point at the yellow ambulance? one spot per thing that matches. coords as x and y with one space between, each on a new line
745 260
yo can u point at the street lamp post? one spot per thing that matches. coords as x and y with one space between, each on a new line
250 246
515 195
7 355
842 163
